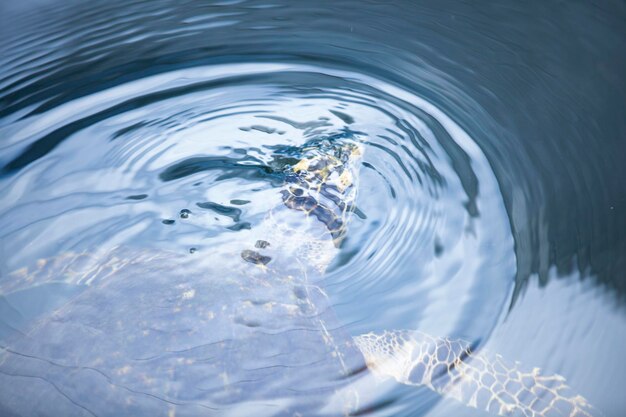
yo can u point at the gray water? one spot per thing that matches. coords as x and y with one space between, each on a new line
492 194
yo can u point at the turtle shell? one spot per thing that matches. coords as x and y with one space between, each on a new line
177 335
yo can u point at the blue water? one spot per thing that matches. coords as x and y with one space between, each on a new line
491 198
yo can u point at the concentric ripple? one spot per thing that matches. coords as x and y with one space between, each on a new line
191 160
140 136
186 160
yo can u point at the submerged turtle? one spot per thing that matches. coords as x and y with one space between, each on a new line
245 330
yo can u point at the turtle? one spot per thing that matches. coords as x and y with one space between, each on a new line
244 330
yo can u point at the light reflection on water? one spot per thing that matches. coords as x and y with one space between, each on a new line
489 168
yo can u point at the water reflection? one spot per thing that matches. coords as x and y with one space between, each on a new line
493 160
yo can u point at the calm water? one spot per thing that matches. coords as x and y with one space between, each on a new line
491 199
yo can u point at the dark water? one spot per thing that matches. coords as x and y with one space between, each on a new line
491 196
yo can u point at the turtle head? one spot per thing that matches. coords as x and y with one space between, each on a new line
323 183
329 165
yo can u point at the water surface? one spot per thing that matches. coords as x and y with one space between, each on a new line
491 198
